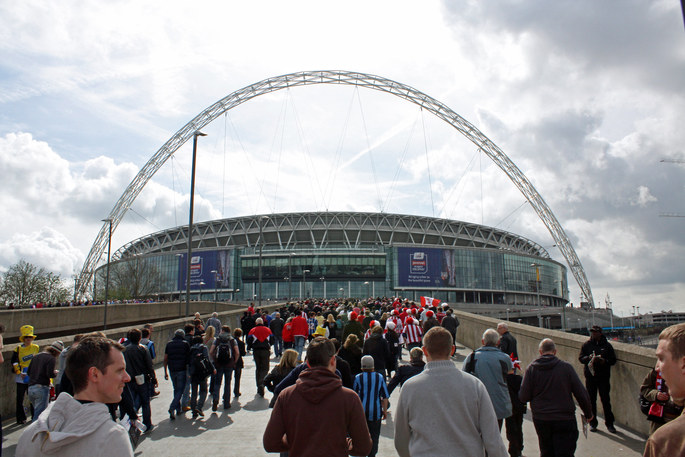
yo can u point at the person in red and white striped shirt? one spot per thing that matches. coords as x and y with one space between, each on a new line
413 333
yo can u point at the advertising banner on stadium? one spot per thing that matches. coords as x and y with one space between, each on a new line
202 265
425 267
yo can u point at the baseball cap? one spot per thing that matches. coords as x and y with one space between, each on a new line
367 363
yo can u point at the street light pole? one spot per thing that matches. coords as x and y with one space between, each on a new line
109 251
261 245
216 286
190 219
304 283
180 295
290 275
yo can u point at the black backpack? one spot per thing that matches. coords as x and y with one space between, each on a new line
201 364
224 351
470 366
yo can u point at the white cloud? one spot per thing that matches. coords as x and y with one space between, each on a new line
583 97
644 197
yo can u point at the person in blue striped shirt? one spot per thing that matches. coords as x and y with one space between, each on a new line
371 388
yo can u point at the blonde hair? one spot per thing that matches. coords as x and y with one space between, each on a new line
209 334
288 359
675 335
351 340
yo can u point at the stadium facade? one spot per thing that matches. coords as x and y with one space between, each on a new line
349 254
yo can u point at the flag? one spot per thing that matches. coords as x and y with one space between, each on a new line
515 362
429 301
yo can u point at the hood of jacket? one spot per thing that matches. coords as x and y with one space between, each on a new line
65 421
317 383
546 362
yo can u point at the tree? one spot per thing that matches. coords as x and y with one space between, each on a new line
130 279
24 284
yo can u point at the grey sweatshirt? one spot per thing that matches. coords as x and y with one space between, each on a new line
69 428
445 412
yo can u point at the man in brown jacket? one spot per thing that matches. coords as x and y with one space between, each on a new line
317 415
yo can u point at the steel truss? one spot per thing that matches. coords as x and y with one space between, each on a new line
331 230
306 78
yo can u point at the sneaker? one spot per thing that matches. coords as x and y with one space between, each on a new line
172 416
215 405
199 413
611 428
186 408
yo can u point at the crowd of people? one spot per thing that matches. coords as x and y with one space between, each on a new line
71 303
339 362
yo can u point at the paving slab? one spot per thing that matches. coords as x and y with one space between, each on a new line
238 431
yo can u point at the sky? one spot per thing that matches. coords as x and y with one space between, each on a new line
585 97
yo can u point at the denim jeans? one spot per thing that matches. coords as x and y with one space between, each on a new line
278 346
195 384
237 374
299 346
185 398
225 374
141 399
178 380
39 396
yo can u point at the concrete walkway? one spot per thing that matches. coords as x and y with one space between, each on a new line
238 431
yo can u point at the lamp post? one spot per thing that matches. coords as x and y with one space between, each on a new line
342 292
109 251
537 281
304 283
216 286
366 283
199 298
190 219
180 295
261 245
290 275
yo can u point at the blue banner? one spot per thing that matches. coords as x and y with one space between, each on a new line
425 267
203 266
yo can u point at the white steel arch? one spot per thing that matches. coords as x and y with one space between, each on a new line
369 81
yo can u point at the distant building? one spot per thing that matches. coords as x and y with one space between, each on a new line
349 254
661 319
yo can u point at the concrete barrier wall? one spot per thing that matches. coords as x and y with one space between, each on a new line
62 320
633 362
163 332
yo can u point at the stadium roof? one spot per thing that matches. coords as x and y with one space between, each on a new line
330 230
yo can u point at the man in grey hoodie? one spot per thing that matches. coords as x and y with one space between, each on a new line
81 425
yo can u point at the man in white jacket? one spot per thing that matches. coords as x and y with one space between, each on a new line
81 425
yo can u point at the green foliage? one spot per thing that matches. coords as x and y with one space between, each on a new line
130 279
24 284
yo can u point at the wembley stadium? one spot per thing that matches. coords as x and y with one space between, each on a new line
347 254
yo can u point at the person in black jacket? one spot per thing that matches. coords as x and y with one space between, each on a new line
451 323
513 423
378 348
139 368
507 342
550 385
239 365
352 354
598 355
405 372
176 357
